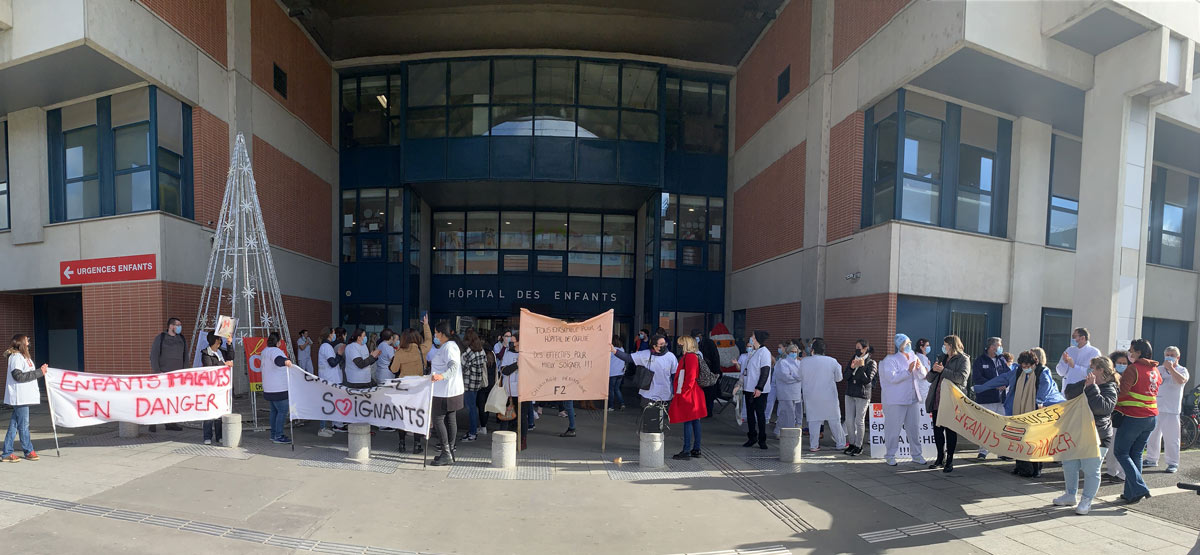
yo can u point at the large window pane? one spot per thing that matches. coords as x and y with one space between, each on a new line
973 211
396 210
885 148
372 248
668 211
83 199
598 84
349 211
691 256
1064 175
694 101
550 263
427 84
426 123
1172 218
4 211
639 126
469 121
395 88
512 120
374 95
555 121
551 232
973 207
516 230
170 123
691 218
349 248
1171 253
666 255
1064 222
617 266
449 228
469 82
170 199
133 192
516 262
714 258
599 123
581 264
716 218
555 81
169 161
132 148
883 204
923 147
920 201
130 107
719 102
395 248
1056 327
514 81
618 233
81 151
585 233
481 230
372 210
350 95
480 263
639 87
447 262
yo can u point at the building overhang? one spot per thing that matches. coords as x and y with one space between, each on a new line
70 73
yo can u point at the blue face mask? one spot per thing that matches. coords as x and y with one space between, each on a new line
945 351
1169 359
1027 370
908 349
178 330
926 349
793 355
437 342
999 351
1121 368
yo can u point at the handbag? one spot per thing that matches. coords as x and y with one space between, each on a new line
643 377
497 401
705 377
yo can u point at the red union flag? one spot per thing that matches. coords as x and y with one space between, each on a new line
99 270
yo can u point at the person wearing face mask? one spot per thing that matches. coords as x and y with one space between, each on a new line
1074 363
663 363
788 388
359 361
446 373
1028 390
169 352
1100 387
509 368
820 374
756 377
953 366
1113 473
329 369
382 371
987 366
923 349
304 351
20 393
1138 403
687 402
1170 404
505 339
900 377
275 364
643 341
859 376
214 355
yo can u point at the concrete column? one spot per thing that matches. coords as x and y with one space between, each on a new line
504 450
127 430
816 170
790 445
231 430
359 440
1118 139
1030 191
29 177
651 450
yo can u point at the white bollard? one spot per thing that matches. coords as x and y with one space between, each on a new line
126 430
504 450
651 451
231 430
359 442
790 444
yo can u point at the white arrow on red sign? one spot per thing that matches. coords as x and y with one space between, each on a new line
68 273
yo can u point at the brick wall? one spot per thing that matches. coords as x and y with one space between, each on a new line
785 43
782 321
768 211
845 177
276 40
139 310
201 21
16 316
210 150
848 319
295 203
855 21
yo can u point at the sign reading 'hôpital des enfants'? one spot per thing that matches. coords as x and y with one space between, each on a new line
100 270
563 361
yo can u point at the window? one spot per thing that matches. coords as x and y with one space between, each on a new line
935 163
695 113
279 80
120 154
1056 329
695 222
783 84
373 225
4 214
1163 333
1063 222
1172 218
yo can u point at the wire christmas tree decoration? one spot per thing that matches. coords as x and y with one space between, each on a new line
241 281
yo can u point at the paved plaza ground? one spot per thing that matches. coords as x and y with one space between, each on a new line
166 492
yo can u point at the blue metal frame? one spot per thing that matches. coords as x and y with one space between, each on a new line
7 182
1058 312
1157 206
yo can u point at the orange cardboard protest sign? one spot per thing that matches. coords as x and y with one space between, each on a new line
562 361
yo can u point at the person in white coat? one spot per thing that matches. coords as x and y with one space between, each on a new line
446 373
20 392
1170 404
820 375
360 360
1074 364
788 389
756 380
304 351
900 377
382 372
663 363
275 377
329 368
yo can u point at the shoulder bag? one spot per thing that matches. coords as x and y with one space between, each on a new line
705 377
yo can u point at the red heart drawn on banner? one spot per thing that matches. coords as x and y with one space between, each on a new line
342 406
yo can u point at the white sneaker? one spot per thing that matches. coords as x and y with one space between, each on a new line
482 431
387 429
920 460
208 442
1065 500
891 462
1084 506
325 433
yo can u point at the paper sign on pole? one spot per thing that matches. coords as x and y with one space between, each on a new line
403 404
81 399
254 347
563 361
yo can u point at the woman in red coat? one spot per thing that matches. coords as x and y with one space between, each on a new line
687 401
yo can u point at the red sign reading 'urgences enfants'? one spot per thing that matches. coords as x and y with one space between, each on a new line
97 270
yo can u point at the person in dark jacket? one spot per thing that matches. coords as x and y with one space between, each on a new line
712 357
214 355
953 365
169 352
987 366
859 376
1101 387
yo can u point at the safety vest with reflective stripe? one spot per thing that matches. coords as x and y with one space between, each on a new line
1140 400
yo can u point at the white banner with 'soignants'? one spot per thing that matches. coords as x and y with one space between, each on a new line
83 399
404 404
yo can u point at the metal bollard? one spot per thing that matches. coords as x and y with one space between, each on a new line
231 430
359 442
126 430
504 450
790 444
651 451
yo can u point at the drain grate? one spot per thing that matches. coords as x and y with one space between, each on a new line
766 498
890 534
675 470
211 451
476 468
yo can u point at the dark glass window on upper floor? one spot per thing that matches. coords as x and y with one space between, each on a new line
696 115
372 223
691 232
1062 225
120 154
1172 218
936 163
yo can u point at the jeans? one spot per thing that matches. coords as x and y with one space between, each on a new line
756 418
212 430
1129 443
1166 433
470 399
279 416
691 435
18 424
569 407
855 420
615 399
1091 474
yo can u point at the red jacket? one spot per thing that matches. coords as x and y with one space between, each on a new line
687 404
1139 389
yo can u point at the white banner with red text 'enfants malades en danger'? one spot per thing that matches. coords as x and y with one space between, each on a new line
84 399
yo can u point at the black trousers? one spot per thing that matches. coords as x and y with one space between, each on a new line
445 425
756 417
945 439
711 393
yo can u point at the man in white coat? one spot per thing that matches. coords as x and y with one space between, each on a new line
820 374
900 376
756 384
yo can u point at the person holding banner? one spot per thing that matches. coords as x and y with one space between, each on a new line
900 377
214 355
1028 390
616 375
662 363
329 369
509 367
1138 403
275 386
953 365
360 361
168 353
1100 387
446 373
687 404
20 392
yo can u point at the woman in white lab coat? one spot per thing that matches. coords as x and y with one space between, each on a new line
788 389
901 377
820 374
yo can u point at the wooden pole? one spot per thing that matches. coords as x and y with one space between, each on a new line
53 426
520 426
604 427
